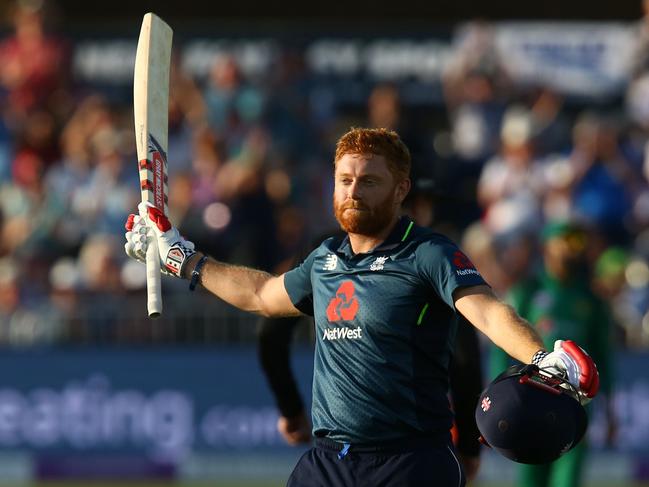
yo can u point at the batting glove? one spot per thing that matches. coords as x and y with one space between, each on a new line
152 223
575 365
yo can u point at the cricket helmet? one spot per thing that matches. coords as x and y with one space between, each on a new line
530 415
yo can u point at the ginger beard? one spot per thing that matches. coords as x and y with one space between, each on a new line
362 219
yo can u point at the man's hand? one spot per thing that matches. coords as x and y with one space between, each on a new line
572 362
295 430
152 223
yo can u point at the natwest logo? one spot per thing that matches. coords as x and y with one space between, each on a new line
342 334
463 266
461 261
344 305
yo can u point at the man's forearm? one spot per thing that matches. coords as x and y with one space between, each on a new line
237 285
499 322
513 334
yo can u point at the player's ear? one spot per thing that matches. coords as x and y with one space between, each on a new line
402 190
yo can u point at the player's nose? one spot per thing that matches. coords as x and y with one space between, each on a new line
354 190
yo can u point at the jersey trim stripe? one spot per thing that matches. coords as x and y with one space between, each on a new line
421 315
405 235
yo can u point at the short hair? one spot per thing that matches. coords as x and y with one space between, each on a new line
380 142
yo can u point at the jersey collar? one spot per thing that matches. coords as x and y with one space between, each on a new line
399 233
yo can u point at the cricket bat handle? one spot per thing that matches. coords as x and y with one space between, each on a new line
153 284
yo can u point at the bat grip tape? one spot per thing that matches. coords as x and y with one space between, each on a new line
196 273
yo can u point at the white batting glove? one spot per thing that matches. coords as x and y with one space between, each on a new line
151 223
572 362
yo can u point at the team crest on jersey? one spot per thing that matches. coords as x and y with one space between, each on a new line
378 264
330 263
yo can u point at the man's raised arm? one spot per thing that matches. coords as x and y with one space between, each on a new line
245 288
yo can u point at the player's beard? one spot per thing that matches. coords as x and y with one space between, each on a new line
369 222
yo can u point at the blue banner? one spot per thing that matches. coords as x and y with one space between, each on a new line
168 403
162 403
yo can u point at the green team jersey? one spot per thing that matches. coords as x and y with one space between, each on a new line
562 311
385 325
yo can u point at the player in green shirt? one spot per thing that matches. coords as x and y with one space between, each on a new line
560 304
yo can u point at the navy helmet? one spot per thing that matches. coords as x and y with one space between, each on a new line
530 415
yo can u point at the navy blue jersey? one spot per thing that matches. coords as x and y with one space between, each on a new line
385 324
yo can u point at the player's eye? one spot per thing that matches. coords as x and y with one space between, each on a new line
370 182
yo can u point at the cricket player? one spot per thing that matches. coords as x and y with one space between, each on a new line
559 302
385 300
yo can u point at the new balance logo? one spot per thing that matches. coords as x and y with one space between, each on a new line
378 264
331 263
342 334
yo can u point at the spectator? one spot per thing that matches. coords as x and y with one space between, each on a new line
33 63
475 91
551 127
385 110
31 213
640 57
187 116
233 106
602 179
100 276
513 178
23 319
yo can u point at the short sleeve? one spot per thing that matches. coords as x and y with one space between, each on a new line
297 282
445 268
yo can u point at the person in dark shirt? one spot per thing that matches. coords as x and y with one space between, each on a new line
275 336
386 300
273 348
465 373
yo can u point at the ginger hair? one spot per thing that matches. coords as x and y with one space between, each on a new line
380 142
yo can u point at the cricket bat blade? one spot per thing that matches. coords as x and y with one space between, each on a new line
150 110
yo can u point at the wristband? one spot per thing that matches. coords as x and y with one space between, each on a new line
196 273
539 356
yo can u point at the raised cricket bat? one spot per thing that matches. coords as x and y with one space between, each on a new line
150 108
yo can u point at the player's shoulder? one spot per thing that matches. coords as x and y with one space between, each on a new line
332 243
424 243
424 238
328 245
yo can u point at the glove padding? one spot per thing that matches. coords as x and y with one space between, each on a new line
571 361
152 223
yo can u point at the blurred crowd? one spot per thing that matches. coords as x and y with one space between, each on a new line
250 179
